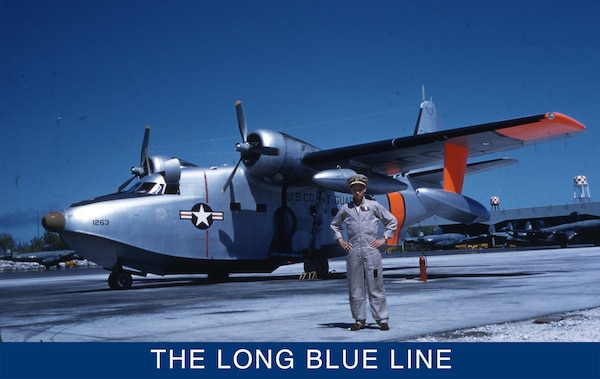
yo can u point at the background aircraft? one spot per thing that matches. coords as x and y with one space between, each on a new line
274 207
45 258
572 232
438 240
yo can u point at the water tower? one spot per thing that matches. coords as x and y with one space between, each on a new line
495 203
581 190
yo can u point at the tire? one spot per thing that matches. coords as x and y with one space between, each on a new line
120 280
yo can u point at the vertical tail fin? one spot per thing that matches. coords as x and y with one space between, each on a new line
455 156
427 121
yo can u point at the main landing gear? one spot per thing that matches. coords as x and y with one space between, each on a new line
318 264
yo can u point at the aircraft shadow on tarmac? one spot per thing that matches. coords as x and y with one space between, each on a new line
171 282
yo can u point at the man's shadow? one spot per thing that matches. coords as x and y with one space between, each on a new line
345 325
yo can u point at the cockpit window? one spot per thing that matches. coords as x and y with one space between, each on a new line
153 184
149 185
148 188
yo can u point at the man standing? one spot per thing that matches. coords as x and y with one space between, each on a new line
363 263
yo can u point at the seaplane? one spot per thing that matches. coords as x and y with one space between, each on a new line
275 205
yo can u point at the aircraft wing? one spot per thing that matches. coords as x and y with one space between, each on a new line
402 155
437 175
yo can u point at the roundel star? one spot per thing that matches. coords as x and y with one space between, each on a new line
202 216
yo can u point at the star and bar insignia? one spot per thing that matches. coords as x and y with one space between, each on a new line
201 215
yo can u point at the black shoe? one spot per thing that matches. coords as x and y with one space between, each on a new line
357 326
384 326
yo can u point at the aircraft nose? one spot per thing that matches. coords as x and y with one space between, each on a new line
54 222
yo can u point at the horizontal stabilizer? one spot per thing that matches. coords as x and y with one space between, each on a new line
452 206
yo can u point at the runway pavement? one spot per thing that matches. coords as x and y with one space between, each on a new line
463 290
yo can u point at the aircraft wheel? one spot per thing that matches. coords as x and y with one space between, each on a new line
120 280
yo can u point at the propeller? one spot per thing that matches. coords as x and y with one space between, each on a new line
144 168
248 150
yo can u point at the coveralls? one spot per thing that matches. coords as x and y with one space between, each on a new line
363 262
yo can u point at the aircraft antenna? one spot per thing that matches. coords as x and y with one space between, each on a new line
423 91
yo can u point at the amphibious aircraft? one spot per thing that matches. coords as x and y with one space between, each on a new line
275 205
582 231
438 240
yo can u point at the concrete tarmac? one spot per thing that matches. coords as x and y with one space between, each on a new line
463 290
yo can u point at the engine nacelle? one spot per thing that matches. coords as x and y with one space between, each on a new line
337 180
170 168
279 168
452 206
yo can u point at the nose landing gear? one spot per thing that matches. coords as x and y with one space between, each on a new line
120 280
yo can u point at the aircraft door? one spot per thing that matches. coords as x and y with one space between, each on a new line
297 223
284 227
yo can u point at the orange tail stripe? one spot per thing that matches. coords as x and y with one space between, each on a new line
455 166
398 209
552 124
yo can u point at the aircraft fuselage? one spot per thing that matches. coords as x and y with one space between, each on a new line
253 227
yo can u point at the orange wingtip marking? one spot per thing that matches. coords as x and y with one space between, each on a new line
551 125
398 209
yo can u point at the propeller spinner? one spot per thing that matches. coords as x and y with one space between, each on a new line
249 150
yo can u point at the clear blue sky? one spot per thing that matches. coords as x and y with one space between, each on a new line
81 79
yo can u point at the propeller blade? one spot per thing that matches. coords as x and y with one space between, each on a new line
144 161
241 120
245 148
145 145
230 178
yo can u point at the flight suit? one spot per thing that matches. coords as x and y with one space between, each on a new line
363 262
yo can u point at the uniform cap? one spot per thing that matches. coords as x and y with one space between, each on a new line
358 179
